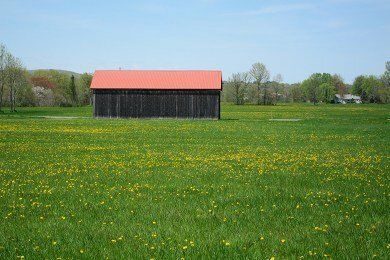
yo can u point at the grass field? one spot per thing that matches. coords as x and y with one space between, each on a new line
240 187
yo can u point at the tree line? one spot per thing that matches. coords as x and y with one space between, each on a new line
255 87
19 87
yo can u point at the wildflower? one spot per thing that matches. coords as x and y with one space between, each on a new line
227 243
81 251
283 240
184 247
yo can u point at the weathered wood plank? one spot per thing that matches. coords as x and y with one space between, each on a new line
156 103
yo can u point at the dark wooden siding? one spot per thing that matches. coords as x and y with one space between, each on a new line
156 103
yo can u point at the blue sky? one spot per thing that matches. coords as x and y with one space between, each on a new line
294 38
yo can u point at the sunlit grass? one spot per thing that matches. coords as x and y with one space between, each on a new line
240 187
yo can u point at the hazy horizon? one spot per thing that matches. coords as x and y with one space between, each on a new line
294 38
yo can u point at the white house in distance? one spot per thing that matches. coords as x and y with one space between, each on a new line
347 98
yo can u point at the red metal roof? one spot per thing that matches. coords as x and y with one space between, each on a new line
157 79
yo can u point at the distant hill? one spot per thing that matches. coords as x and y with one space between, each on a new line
67 72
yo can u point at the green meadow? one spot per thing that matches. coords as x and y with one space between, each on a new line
241 187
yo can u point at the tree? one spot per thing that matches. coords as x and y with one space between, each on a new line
24 92
386 75
3 53
73 92
384 91
41 81
371 85
85 96
296 93
369 88
238 83
278 78
42 89
327 92
311 86
260 74
61 82
357 87
13 78
277 86
339 84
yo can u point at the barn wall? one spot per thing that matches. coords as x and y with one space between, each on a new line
157 103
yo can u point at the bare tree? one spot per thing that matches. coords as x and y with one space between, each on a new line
278 78
260 74
239 82
278 86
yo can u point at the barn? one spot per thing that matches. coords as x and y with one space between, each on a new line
156 93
